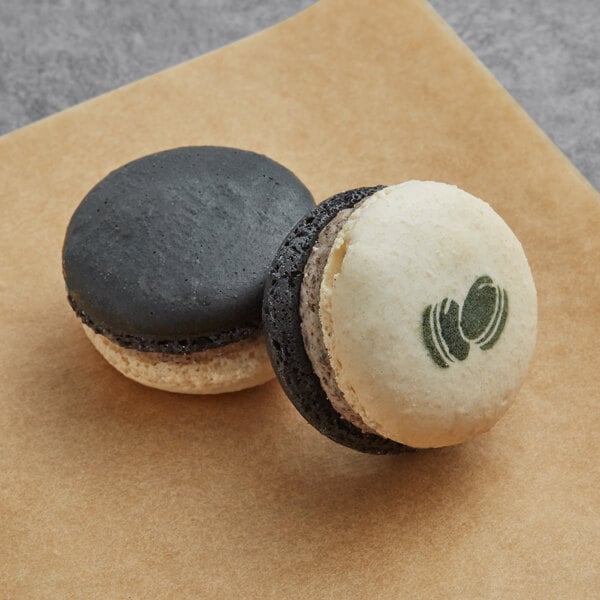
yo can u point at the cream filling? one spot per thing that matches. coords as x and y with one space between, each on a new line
310 319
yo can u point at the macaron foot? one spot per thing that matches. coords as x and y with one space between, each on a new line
229 368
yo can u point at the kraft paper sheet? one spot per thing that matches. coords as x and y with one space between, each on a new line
112 490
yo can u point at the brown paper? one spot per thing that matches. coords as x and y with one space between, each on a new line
112 490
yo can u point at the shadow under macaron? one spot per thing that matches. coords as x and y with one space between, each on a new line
243 468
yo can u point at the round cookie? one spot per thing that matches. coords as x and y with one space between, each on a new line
401 316
167 257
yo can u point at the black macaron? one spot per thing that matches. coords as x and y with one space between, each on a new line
170 252
281 318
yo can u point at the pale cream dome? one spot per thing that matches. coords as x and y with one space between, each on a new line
429 314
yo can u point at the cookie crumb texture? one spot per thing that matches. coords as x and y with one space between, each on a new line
230 368
312 330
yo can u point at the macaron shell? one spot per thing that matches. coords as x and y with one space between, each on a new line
177 246
409 249
230 368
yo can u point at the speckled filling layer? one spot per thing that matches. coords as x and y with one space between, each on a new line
312 331
281 320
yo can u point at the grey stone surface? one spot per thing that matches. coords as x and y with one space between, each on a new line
56 53
547 54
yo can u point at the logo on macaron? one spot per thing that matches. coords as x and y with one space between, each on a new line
449 329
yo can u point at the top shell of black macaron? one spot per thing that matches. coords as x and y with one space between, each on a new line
281 320
177 245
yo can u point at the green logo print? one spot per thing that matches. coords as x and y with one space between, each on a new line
448 329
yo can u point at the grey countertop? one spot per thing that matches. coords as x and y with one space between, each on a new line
56 53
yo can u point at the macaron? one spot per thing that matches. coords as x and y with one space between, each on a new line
165 262
401 317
